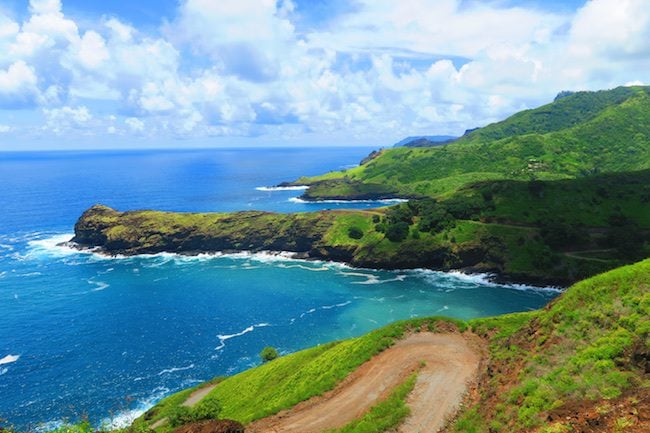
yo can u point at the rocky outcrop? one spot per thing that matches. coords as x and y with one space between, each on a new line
307 235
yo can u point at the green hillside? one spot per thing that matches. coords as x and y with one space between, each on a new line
579 135
582 361
288 380
545 232
587 350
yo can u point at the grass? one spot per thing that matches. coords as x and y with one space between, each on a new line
498 226
288 380
580 348
386 415
579 135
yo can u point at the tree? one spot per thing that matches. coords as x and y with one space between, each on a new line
268 354
397 232
355 233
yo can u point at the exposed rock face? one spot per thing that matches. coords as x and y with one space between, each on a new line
372 155
152 232
307 235
212 426
90 229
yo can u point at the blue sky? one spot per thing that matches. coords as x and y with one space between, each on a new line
169 73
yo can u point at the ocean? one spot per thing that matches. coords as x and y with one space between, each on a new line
83 335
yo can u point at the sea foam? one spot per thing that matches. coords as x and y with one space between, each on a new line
224 338
381 201
282 188
175 369
125 418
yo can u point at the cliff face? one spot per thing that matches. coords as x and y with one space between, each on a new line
319 235
152 232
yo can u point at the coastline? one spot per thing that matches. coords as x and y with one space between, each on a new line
277 255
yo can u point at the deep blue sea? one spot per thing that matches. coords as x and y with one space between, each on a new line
85 335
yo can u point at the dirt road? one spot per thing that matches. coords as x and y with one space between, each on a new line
451 363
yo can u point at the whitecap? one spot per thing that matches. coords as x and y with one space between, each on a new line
224 338
99 285
3 370
125 418
342 304
175 369
49 426
385 201
282 188
51 246
477 279
310 311
373 279
9 359
29 274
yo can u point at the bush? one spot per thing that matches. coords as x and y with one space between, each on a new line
180 415
397 232
268 354
355 233
400 213
207 409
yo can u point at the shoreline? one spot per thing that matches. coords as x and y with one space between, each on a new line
274 255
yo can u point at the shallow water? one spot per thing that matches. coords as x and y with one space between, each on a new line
83 334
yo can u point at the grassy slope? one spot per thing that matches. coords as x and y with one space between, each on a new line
286 381
499 231
588 347
582 134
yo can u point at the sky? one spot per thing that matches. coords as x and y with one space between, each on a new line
88 74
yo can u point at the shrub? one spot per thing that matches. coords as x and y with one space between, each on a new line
399 213
207 409
355 233
268 354
397 232
180 415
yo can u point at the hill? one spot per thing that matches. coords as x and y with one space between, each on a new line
582 361
425 140
544 232
579 135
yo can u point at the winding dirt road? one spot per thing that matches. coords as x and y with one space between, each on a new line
452 362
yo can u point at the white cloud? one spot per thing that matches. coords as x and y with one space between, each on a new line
4 129
18 85
383 70
135 124
38 7
92 50
64 119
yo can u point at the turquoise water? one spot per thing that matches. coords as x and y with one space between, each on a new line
82 334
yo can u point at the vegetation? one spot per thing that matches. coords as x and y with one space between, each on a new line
548 232
550 196
385 415
281 384
581 134
268 354
587 346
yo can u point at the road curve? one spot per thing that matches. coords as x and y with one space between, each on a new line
451 363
